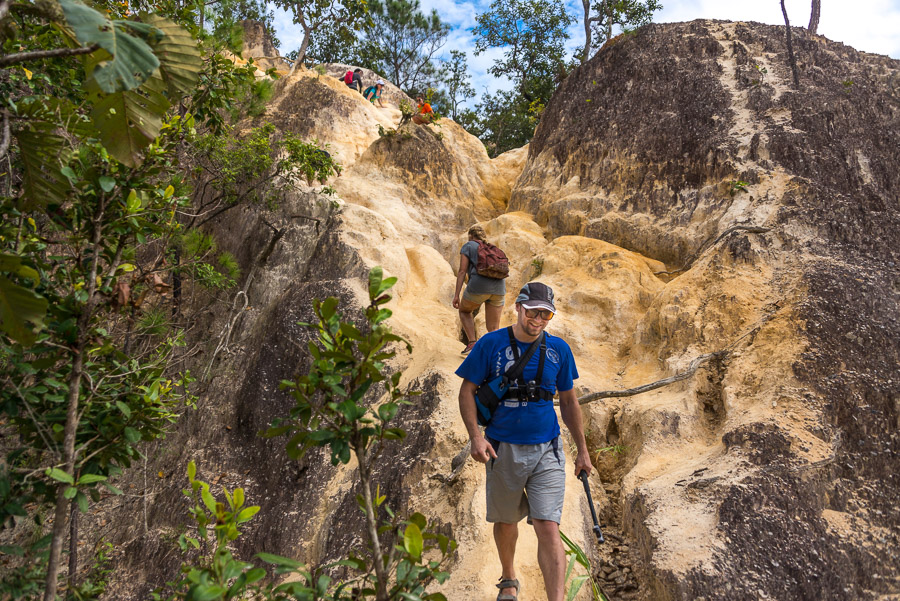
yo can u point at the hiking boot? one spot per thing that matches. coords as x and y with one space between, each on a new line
468 348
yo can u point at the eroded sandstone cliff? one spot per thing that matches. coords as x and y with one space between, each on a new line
772 474
682 199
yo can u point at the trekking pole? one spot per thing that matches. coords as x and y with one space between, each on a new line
587 490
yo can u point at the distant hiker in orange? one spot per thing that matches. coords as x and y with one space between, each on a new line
426 113
484 264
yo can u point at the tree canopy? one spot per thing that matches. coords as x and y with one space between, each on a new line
457 82
600 20
532 34
315 15
405 42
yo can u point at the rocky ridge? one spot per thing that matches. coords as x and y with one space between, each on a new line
746 218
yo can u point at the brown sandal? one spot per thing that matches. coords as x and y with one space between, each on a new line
508 583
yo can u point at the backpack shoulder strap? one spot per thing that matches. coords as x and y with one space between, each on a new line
540 372
512 343
516 370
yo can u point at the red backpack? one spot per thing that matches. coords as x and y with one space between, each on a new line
348 77
492 262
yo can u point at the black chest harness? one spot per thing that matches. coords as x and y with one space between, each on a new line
521 390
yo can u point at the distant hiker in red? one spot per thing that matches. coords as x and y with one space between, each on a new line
486 266
353 79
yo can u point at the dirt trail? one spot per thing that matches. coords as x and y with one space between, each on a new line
600 288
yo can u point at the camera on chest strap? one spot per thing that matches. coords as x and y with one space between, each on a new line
523 391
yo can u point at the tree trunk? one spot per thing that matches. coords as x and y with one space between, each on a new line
365 478
301 54
586 53
814 16
4 8
73 545
59 518
790 47
609 19
84 322
176 284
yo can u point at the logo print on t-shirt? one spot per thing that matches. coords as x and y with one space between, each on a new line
553 356
510 359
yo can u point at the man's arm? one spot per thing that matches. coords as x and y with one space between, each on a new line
571 414
481 448
460 279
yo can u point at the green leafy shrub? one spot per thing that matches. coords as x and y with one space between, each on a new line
574 582
88 180
386 133
349 366
407 108
617 449
199 257
403 556
736 186
312 159
153 322
255 169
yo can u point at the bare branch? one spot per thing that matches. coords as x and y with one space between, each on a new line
4 140
814 16
684 375
790 47
12 59
4 8
236 313
45 436
694 365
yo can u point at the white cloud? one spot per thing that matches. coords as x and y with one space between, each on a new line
459 15
868 25
289 33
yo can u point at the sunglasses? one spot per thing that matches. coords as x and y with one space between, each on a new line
545 314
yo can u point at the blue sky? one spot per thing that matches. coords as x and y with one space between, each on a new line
869 25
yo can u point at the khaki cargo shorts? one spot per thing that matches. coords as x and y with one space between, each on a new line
525 480
492 299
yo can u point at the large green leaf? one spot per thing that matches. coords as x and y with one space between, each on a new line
43 154
412 541
179 57
129 59
19 306
13 264
129 121
43 151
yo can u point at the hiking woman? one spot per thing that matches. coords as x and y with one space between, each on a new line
480 290
373 93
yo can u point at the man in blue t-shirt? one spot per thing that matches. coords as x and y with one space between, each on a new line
520 447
